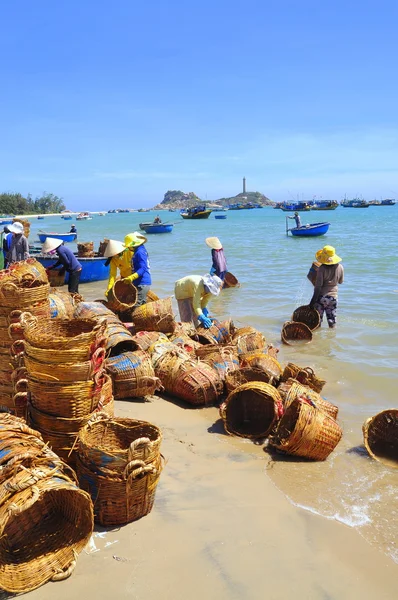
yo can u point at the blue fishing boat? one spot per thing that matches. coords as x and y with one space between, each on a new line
220 216
6 221
157 227
295 206
67 217
311 230
93 269
40 217
65 237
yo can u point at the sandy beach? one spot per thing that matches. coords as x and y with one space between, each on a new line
221 530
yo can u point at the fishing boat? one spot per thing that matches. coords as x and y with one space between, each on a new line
40 217
197 212
325 205
83 217
67 217
311 230
387 202
355 203
93 268
65 237
157 227
220 216
295 206
7 221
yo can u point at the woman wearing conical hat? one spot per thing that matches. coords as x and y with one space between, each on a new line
119 258
329 276
219 264
141 270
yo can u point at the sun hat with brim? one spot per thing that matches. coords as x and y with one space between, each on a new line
135 239
213 243
50 244
15 228
114 248
327 256
212 283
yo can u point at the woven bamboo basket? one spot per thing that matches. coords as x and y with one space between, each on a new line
23 295
216 334
118 338
264 362
92 310
65 372
186 343
198 385
85 249
56 278
306 431
251 410
208 350
294 333
64 334
248 339
307 376
15 331
70 400
62 304
20 400
236 378
41 310
308 316
132 375
272 351
151 296
5 376
290 371
112 443
122 296
228 324
168 365
224 360
72 356
380 436
292 389
145 339
230 280
121 499
44 527
30 268
102 247
155 316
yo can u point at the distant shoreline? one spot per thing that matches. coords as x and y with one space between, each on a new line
72 214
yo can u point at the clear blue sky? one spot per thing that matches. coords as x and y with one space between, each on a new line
113 103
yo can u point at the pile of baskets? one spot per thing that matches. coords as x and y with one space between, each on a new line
45 519
23 286
64 361
118 337
119 464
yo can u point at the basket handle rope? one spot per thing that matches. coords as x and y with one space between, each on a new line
137 468
62 574
14 509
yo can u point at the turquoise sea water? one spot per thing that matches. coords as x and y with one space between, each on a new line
359 359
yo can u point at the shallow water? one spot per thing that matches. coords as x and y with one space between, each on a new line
358 359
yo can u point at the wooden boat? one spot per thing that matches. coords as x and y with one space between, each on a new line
295 206
198 212
93 269
220 216
312 230
83 217
40 217
355 203
157 227
6 221
65 237
325 205
67 217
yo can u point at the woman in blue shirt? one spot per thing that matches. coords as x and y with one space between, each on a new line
141 277
67 259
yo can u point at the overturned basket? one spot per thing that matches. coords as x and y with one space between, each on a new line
294 333
216 334
155 316
292 389
251 410
306 431
380 436
308 316
248 339
243 375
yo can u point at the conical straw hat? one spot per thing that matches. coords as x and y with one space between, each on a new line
113 248
50 244
213 243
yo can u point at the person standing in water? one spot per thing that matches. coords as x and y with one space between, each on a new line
296 217
329 276
219 263
193 294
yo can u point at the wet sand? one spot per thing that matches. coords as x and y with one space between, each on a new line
220 529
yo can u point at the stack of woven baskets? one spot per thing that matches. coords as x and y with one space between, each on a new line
67 383
119 464
45 519
85 249
118 337
24 286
